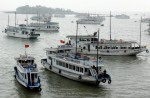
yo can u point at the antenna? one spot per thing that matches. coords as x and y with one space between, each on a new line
140 30
110 25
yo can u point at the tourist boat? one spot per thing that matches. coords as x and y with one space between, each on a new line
122 16
78 67
91 20
45 26
87 44
21 31
26 72
43 18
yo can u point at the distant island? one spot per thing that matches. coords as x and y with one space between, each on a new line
41 9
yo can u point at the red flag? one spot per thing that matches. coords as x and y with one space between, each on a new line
26 46
62 41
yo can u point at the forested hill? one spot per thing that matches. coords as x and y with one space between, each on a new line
42 9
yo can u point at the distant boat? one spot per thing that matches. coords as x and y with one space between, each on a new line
122 16
26 72
91 20
45 26
59 15
146 20
21 31
43 18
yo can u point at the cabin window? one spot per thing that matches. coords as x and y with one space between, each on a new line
70 66
85 69
63 64
19 61
81 70
77 68
66 65
74 67
88 39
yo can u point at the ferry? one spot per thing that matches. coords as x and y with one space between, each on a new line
87 44
78 67
91 20
21 31
26 72
45 26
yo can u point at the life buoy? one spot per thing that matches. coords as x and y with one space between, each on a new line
109 82
147 51
104 80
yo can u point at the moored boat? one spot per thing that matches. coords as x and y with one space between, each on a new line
21 31
78 67
26 72
87 44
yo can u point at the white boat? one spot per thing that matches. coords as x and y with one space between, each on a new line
43 18
26 72
21 31
91 20
87 44
45 26
122 16
77 67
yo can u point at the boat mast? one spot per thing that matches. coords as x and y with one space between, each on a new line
15 19
97 49
110 25
8 20
140 30
76 36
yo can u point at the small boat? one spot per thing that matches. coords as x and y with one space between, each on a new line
91 20
26 72
78 67
45 26
22 31
122 16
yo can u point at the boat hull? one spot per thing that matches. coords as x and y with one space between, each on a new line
25 84
22 36
72 76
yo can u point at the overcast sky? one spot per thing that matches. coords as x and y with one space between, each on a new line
81 5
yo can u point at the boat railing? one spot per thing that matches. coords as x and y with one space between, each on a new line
82 61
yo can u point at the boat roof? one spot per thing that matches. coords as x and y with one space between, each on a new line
81 36
25 58
60 47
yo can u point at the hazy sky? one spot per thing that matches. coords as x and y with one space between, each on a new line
81 5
